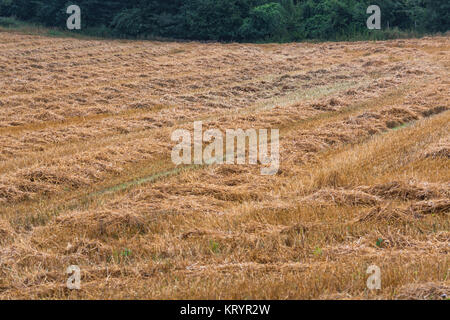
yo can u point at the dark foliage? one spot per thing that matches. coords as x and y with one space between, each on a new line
237 20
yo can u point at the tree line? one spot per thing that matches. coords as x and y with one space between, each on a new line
237 20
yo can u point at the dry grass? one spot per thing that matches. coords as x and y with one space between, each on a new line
86 176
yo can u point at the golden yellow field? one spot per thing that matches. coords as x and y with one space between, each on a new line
86 176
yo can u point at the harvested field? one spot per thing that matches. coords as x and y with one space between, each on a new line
86 176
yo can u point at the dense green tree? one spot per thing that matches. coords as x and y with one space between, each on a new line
215 19
437 15
129 22
267 21
236 20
